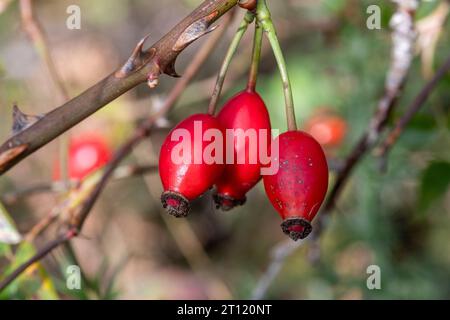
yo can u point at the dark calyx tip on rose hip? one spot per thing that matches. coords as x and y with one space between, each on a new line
226 203
296 228
175 204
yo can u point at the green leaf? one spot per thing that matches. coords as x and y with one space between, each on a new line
34 282
47 289
434 184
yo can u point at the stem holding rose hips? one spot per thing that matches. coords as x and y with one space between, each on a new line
256 58
248 18
264 19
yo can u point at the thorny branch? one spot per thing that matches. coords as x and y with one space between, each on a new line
142 66
77 220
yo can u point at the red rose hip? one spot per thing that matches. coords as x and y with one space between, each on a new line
299 187
184 173
87 153
247 115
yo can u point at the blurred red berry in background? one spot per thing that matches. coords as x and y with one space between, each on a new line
328 128
87 153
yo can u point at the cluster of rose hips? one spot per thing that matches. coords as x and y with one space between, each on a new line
299 185
296 191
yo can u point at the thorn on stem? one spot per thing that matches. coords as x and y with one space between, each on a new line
21 121
137 60
196 30
170 70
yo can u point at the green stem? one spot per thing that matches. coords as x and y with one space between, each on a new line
256 58
264 18
248 18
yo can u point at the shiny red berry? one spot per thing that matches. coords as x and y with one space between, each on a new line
327 128
247 115
299 187
87 153
183 181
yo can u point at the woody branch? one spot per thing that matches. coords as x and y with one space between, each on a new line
142 66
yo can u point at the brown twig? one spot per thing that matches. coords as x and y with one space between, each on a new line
412 109
142 66
143 131
42 225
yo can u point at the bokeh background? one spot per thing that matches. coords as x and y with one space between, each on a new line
398 219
